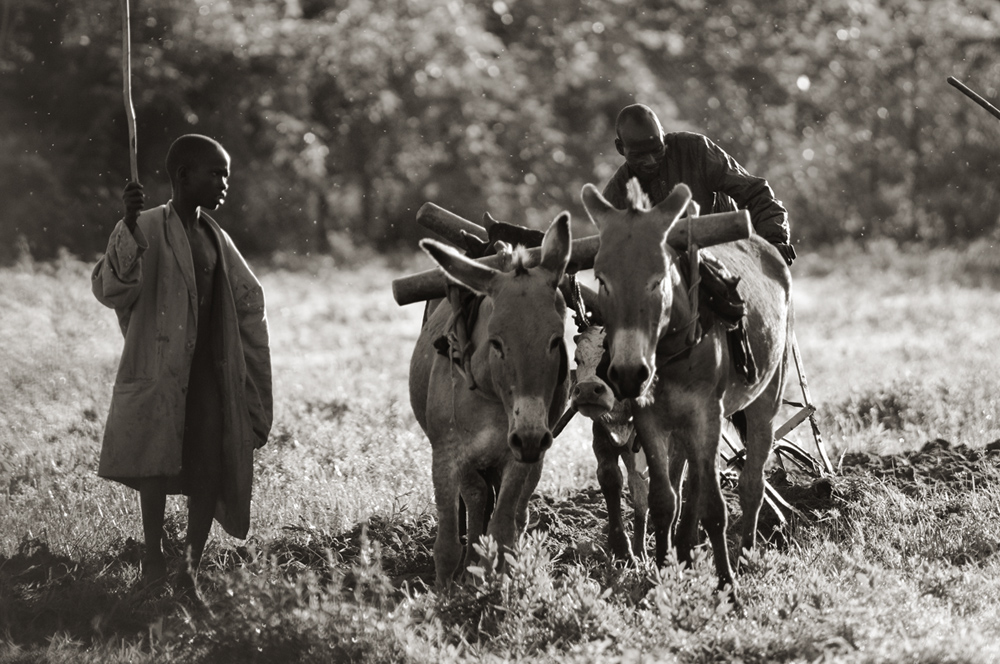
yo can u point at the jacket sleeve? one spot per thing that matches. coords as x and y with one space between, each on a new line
252 317
615 191
769 217
117 277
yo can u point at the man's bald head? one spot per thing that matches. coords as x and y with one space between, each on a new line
640 139
638 122
190 150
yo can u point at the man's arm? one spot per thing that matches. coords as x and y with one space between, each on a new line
769 217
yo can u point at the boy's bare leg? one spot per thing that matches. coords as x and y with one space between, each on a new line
205 480
153 502
201 511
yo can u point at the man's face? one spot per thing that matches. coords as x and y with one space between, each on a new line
642 146
207 179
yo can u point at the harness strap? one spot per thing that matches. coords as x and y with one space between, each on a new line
694 280
459 345
576 303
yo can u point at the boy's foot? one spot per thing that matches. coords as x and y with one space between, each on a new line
154 569
186 589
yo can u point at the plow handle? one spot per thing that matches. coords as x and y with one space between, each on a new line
968 92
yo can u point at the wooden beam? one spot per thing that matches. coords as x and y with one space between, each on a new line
707 231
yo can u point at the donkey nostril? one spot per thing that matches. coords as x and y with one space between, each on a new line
515 441
546 441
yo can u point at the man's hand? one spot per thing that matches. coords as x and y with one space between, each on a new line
787 252
135 201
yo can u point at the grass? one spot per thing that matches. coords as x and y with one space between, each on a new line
902 566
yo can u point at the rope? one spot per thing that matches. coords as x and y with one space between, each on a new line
694 258
580 316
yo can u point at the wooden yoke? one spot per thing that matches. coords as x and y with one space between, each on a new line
430 284
707 231
448 224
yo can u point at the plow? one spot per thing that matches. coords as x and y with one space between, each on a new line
457 230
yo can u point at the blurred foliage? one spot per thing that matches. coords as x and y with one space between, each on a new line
344 116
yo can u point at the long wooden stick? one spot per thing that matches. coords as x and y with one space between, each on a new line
127 90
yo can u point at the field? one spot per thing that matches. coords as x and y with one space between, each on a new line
900 563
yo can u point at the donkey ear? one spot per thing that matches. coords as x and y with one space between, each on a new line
458 268
673 205
595 204
556 247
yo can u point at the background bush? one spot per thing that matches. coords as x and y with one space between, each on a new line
343 116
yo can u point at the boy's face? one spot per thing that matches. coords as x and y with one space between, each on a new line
206 180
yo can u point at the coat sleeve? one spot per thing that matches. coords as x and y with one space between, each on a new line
117 277
770 219
252 317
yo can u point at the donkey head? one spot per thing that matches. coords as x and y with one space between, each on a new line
635 269
527 361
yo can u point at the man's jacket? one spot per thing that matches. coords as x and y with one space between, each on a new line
716 180
148 278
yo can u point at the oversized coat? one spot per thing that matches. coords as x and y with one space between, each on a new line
148 278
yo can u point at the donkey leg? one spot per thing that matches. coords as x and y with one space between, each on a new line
687 448
714 516
698 431
447 545
534 473
687 535
638 487
478 496
662 498
510 516
759 439
609 476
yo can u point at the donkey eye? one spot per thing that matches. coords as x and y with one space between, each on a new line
600 283
554 344
497 347
655 284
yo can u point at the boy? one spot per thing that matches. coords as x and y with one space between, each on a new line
192 398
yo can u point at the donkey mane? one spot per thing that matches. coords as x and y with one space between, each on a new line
520 259
638 201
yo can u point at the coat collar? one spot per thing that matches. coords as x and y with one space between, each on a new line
180 246
178 241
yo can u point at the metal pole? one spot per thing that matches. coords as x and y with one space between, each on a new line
127 90
808 402
964 89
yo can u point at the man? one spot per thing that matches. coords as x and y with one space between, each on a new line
660 161
192 398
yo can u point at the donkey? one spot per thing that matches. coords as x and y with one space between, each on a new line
502 427
682 387
614 438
